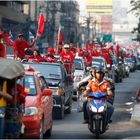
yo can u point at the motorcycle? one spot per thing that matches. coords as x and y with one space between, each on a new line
97 113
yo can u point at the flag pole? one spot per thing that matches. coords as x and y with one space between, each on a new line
58 39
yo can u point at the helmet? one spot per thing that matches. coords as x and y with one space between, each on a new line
100 69
66 46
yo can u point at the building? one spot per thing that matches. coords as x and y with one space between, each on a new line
14 16
123 21
101 13
65 15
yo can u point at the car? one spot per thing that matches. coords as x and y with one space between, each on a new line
37 116
117 70
79 73
61 85
99 60
130 63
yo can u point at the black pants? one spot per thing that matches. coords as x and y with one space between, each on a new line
85 113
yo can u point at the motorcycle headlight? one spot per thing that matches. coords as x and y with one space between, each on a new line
101 109
92 108
30 111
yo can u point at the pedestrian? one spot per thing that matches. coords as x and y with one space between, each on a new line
2 46
20 44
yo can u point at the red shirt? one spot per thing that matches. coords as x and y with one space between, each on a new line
20 47
73 50
87 59
67 58
2 50
49 59
35 59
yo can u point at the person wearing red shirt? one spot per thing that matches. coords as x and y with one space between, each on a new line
49 57
20 45
73 49
87 58
2 46
67 58
36 57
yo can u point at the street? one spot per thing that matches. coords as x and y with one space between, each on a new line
71 126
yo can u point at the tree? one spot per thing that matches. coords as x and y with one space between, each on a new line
135 4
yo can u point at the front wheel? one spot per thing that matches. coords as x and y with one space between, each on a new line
97 128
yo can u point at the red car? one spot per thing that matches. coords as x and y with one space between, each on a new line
38 106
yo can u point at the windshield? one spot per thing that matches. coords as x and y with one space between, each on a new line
49 71
128 60
78 64
94 64
97 60
29 83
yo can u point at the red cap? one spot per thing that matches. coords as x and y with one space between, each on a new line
51 50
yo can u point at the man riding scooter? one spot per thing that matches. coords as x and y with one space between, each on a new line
98 84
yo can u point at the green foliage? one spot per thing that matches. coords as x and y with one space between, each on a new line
135 9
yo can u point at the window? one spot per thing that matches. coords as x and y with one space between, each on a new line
42 83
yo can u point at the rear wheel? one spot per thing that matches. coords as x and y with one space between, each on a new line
41 129
68 111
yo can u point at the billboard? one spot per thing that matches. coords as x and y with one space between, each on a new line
99 6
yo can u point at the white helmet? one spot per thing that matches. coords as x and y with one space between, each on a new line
66 46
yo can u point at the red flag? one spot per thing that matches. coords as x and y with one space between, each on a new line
60 38
117 50
40 25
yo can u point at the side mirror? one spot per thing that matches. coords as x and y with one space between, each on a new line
88 68
120 62
47 92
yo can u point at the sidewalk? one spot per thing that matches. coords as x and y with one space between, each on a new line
136 112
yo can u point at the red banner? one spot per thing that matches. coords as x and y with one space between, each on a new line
40 25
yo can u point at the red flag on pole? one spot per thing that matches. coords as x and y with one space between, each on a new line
40 24
59 39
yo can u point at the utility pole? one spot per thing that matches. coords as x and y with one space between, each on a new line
88 24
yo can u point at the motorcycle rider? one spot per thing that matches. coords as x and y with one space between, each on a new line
98 84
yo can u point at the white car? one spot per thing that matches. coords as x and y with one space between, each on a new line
79 73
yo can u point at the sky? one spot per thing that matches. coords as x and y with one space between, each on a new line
82 6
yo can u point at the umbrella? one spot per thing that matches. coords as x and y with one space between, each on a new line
10 69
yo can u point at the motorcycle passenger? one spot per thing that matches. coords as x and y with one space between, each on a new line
49 57
98 84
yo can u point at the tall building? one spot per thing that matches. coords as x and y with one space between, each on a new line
123 21
101 13
14 16
65 15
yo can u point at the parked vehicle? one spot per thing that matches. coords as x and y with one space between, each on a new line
79 73
38 106
61 86
97 112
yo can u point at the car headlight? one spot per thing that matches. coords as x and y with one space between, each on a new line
92 108
101 109
30 111
78 78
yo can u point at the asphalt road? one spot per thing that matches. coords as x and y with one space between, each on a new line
71 126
